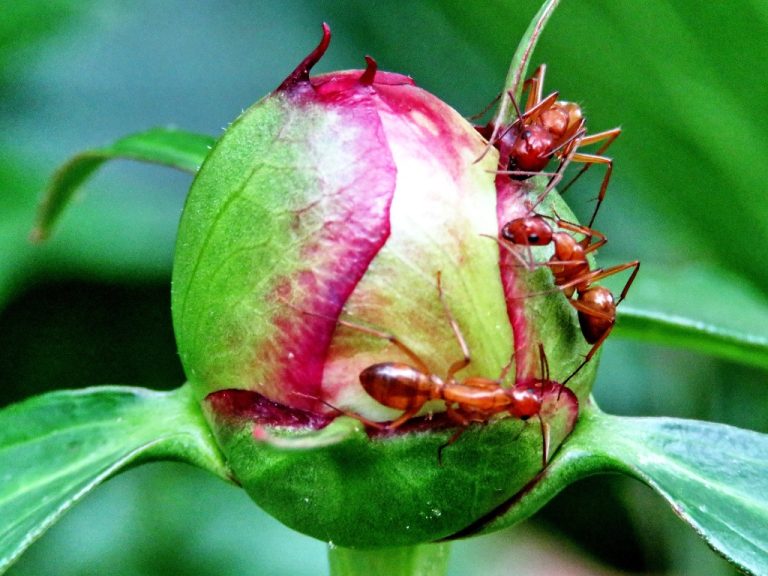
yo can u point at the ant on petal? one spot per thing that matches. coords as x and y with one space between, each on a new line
549 128
475 399
595 305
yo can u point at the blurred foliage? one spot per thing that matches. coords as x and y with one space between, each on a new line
685 81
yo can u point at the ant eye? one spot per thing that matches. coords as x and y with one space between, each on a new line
533 238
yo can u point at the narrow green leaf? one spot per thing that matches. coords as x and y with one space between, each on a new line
166 146
714 476
699 308
56 448
520 59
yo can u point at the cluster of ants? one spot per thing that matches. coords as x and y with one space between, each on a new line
547 129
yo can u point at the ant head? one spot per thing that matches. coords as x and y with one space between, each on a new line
529 148
527 231
526 400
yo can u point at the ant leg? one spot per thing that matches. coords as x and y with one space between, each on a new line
596 275
363 419
589 234
529 264
526 173
543 364
403 418
419 363
597 158
589 311
531 114
558 287
528 116
464 362
545 441
540 107
565 152
495 135
485 110
588 160
591 353
479 382
608 136
503 245
455 436
571 142
535 84
624 291
462 422
506 369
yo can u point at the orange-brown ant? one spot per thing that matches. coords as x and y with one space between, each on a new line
475 399
549 128
595 305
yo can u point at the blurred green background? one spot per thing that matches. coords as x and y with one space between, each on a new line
685 80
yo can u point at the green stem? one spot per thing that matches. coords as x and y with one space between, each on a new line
422 560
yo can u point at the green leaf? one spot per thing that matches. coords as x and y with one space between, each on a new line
56 448
699 308
166 146
714 476
520 59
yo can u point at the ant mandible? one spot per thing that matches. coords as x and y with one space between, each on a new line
475 399
546 129
595 305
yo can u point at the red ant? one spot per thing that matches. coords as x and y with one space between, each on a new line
595 305
475 399
549 128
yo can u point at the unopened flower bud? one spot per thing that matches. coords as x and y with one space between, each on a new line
339 248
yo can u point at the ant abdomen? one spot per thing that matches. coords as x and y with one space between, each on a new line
601 302
397 385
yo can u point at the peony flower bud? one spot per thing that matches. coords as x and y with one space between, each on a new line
348 220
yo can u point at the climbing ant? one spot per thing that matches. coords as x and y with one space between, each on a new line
475 399
595 305
549 128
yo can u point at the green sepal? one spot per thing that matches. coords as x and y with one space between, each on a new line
385 490
56 448
340 430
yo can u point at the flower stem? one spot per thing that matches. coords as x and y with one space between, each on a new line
422 560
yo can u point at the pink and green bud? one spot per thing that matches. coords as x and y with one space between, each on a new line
322 219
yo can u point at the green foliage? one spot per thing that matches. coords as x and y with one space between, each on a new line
709 310
55 448
688 184
164 146
714 476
